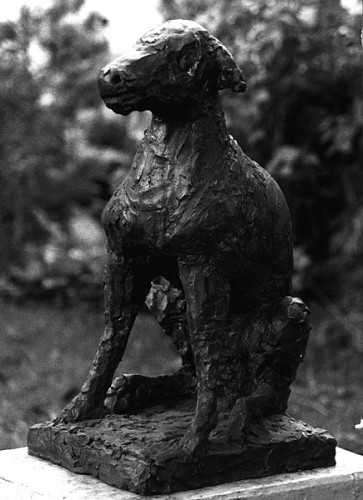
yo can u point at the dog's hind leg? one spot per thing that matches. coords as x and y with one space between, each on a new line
129 393
135 391
207 294
277 336
167 303
126 283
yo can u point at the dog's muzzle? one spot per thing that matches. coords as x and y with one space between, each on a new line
109 82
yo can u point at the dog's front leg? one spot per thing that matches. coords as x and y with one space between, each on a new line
207 294
125 287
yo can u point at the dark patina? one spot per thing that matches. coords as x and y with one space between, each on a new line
203 234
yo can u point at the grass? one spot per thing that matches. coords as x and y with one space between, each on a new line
327 392
46 351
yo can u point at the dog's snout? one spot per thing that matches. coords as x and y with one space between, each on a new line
109 78
115 79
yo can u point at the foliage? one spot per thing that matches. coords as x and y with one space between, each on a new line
301 117
57 155
62 152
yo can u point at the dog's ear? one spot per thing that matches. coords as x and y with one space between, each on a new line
229 74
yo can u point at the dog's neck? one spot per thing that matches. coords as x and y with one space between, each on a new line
199 130
180 155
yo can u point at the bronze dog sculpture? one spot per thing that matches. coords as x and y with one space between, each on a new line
197 211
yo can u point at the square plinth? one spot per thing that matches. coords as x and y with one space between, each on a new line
23 477
140 452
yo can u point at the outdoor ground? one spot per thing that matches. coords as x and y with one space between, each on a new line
46 351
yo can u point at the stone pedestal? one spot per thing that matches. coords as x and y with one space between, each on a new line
140 452
23 477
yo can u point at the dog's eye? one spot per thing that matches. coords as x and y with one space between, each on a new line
188 59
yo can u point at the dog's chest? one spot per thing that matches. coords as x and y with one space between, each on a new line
167 199
161 206
150 205
157 182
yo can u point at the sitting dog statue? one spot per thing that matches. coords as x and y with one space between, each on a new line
195 210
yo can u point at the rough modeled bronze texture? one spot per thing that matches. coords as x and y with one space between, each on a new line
140 452
203 234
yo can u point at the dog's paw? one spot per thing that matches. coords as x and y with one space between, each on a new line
239 421
118 398
78 409
194 444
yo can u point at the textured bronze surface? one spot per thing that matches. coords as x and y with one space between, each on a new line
140 452
203 234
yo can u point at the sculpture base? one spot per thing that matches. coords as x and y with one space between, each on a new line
139 452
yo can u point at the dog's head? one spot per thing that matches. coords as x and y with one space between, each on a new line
171 67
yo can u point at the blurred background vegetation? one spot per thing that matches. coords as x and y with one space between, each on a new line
62 153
